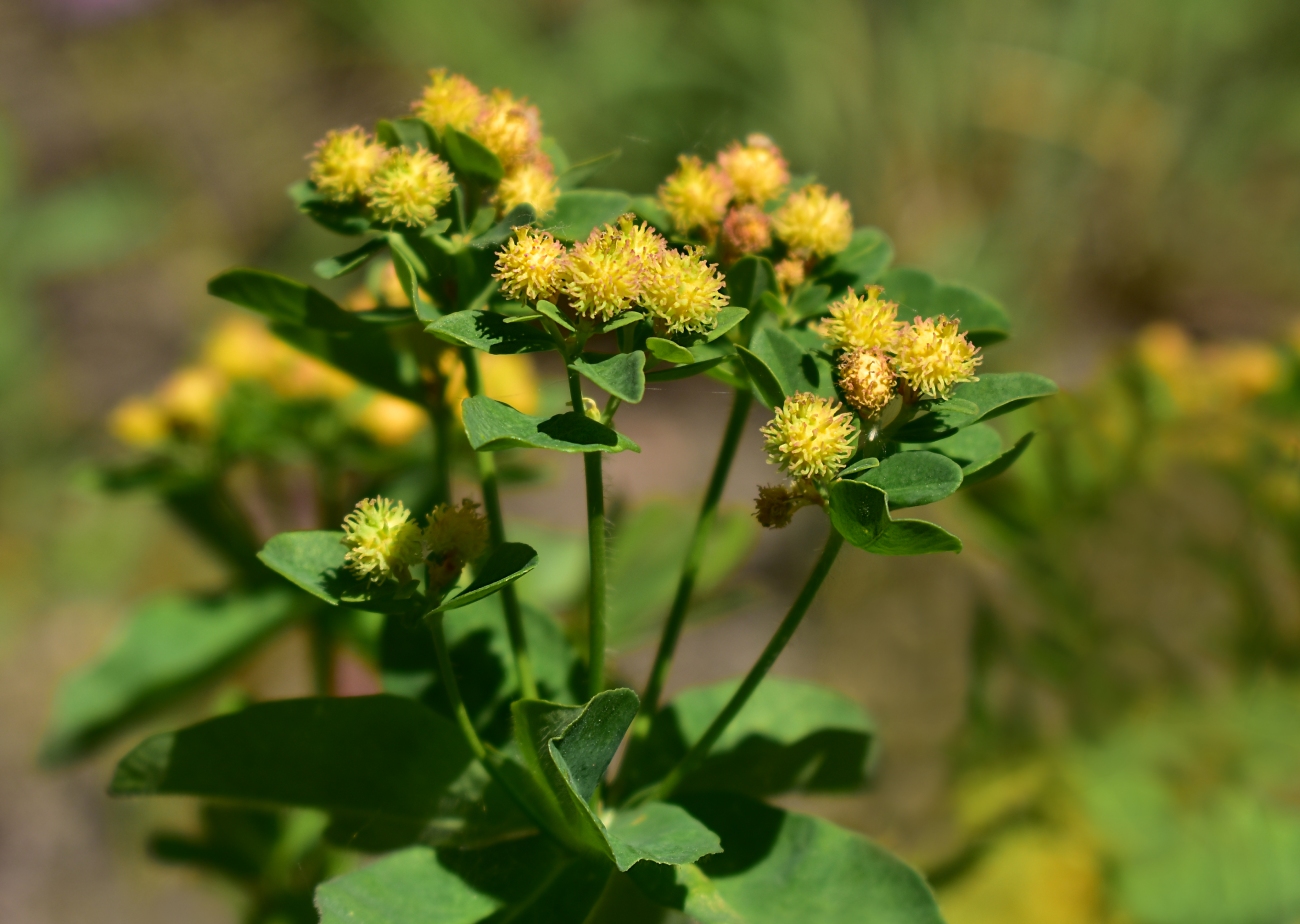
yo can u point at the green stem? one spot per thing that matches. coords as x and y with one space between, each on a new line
453 689
595 479
696 755
740 404
441 415
322 653
487 474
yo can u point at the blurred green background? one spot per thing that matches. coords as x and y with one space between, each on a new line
1095 699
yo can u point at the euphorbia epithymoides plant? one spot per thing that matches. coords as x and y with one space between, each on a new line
492 795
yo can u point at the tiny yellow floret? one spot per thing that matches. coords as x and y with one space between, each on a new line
532 183
862 323
450 101
139 422
409 187
746 230
932 356
454 537
604 274
756 169
696 196
531 266
812 222
382 541
509 128
866 380
809 437
683 291
344 162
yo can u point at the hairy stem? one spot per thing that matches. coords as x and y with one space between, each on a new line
740 404
453 689
595 479
696 755
487 475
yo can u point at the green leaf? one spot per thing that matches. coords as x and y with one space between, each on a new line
859 512
669 352
579 211
661 833
489 332
349 218
782 867
411 886
912 479
747 280
581 172
726 320
492 426
170 646
313 560
517 217
383 756
860 466
995 394
470 158
969 447
917 293
914 537
683 372
868 254
508 563
810 301
281 299
550 310
766 385
794 369
622 320
335 267
991 468
791 735
411 133
621 375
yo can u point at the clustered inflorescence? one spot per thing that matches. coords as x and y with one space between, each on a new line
384 543
619 266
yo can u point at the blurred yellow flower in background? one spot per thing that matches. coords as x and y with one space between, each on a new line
139 422
509 379
189 397
391 421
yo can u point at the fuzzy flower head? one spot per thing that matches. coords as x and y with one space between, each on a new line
862 323
454 537
931 356
756 169
790 273
509 128
532 183
409 187
696 196
450 101
344 162
531 266
866 380
777 504
812 222
639 239
382 541
746 230
809 437
683 291
604 274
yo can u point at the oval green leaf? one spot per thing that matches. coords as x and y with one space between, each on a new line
489 332
579 211
470 158
508 563
621 375
912 479
492 426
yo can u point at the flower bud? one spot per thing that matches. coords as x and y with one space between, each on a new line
696 196
866 380
344 162
814 223
532 183
531 266
931 356
809 437
450 101
746 230
862 323
454 537
382 541
682 291
756 169
777 504
790 272
509 128
409 187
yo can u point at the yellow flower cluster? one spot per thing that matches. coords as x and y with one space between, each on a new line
932 356
453 538
508 127
814 224
619 266
696 197
382 541
862 323
866 379
810 437
343 163
757 171
400 186
1208 379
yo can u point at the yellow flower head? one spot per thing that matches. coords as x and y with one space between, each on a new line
746 230
449 101
454 537
683 291
531 266
812 222
509 128
409 187
862 323
344 162
391 421
532 183
190 397
696 196
931 356
756 169
790 272
866 379
139 422
604 274
809 437
777 504
382 541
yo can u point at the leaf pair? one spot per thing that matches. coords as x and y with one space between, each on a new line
860 513
492 426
